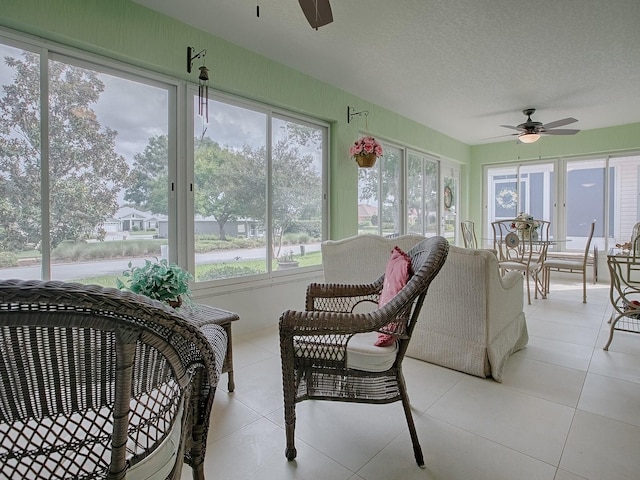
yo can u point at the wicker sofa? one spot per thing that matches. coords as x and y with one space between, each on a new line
472 319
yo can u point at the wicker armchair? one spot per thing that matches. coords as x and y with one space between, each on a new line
100 383
318 360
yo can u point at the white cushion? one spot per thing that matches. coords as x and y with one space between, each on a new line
159 464
362 354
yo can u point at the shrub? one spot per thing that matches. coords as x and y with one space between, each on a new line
8 259
225 270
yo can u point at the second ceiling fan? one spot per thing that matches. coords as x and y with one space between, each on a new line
530 131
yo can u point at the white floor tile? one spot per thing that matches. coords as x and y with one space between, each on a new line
427 382
623 366
625 342
350 433
564 475
256 451
612 398
530 425
259 385
453 454
229 415
563 332
601 448
544 380
564 354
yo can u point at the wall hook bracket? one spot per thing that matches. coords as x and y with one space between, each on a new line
351 112
191 57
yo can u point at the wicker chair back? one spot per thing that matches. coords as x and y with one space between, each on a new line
100 383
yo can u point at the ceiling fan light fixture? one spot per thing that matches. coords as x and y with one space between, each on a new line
529 137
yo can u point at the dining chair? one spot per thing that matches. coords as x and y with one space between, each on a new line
577 266
328 351
520 250
467 228
635 240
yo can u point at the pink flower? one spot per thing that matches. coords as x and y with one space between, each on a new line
366 145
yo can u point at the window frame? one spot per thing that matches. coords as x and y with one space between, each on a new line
180 148
51 51
270 112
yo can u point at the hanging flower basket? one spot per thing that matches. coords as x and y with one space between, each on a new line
366 150
366 160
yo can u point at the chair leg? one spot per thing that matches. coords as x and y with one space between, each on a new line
290 452
526 273
198 472
547 280
584 286
406 405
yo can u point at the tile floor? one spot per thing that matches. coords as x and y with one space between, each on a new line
567 410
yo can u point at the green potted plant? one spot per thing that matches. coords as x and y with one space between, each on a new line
159 280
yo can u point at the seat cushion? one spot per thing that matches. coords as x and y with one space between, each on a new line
361 352
364 354
160 462
566 264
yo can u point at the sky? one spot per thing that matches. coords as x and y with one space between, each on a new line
138 111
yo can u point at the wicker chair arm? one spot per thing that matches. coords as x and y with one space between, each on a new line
294 322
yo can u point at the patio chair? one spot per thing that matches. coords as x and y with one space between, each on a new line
328 352
520 250
577 265
101 383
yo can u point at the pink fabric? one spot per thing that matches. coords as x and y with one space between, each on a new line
396 276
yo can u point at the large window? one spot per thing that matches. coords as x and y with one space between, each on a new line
406 192
91 179
380 194
570 193
422 194
258 191
83 168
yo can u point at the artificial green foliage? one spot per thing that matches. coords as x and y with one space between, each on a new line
159 280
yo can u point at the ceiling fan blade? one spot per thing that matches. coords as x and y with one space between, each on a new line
560 123
501 136
318 12
560 131
511 126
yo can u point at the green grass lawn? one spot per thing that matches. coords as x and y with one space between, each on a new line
220 270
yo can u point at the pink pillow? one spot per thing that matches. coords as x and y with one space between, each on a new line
396 276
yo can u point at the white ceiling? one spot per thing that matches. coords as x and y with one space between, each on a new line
461 67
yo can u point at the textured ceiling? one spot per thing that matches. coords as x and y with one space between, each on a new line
461 67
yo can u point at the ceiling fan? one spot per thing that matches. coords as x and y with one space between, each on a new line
318 12
530 131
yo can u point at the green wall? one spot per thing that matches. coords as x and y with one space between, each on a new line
621 139
128 32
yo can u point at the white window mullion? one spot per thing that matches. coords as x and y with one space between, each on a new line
44 164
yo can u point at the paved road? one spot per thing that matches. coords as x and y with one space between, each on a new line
75 271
